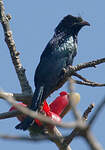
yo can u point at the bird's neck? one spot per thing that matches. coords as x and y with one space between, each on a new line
65 34
75 38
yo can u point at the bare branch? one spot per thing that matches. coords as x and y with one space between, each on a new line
93 143
18 66
87 111
92 84
71 69
85 132
11 114
57 138
12 48
54 134
82 129
80 77
36 115
5 115
76 131
72 100
21 97
34 139
86 81
99 108
24 138
79 125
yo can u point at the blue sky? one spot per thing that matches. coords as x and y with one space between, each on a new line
33 24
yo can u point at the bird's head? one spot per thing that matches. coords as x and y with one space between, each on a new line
71 25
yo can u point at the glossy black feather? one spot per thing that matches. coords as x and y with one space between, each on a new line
59 53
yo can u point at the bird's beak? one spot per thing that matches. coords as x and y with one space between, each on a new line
85 23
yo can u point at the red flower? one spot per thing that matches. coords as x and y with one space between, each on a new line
53 110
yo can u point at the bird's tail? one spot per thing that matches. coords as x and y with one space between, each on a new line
36 101
37 98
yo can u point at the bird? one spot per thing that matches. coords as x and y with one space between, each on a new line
58 54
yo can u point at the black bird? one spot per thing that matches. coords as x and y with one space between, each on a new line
59 53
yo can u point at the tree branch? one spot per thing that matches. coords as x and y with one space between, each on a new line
92 142
26 88
72 101
57 138
100 106
39 116
86 81
10 114
92 84
81 129
26 99
24 138
81 77
21 97
35 139
71 69
68 139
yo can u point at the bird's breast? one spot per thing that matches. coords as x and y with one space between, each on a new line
69 46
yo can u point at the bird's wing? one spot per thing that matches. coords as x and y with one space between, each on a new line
56 41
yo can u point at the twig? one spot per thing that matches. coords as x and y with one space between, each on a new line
100 106
86 81
11 114
26 87
76 131
54 134
24 138
87 111
34 139
71 101
18 66
21 97
92 142
80 77
71 69
39 138
85 132
57 138
12 48
75 96
92 84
